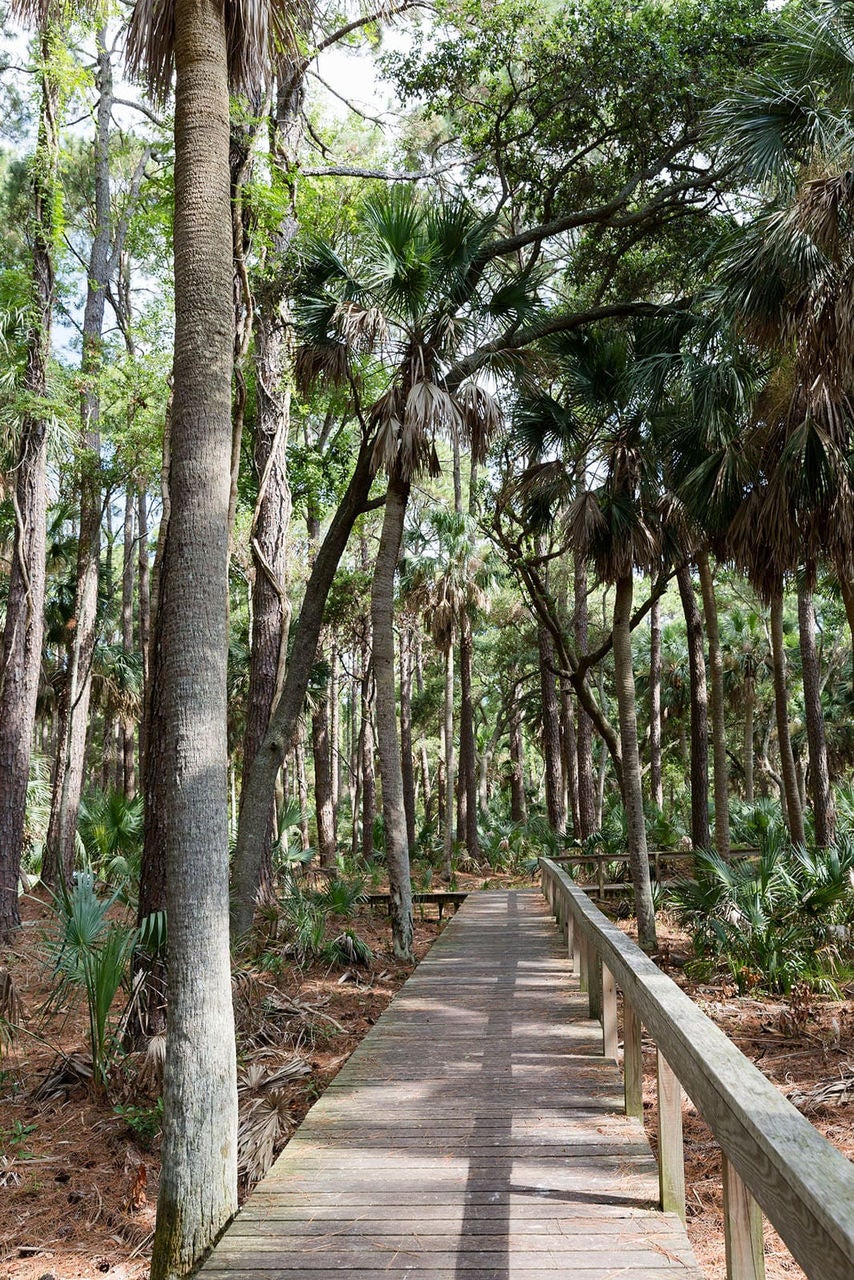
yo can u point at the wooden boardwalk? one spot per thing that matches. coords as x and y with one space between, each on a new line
477 1132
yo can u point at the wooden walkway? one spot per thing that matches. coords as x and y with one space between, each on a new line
476 1133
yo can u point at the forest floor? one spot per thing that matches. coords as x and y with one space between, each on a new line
78 1177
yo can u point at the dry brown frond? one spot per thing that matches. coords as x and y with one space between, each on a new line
824 208
361 328
481 418
11 1007
262 1131
314 363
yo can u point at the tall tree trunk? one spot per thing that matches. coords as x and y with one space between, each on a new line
149 1011
198 1180
271 610
144 610
632 788
820 792
323 784
366 751
128 734
518 803
448 739
551 732
260 781
24 629
335 734
394 810
655 704
699 712
406 761
468 757
569 755
794 810
587 821
749 713
716 667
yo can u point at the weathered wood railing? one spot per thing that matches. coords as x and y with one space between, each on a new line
772 1156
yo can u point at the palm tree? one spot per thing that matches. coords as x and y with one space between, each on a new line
448 578
613 521
209 57
407 290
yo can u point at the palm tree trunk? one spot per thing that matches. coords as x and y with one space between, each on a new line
366 756
655 704
323 784
394 810
198 1180
716 665
632 788
302 789
335 734
749 714
569 755
699 712
24 628
821 795
128 734
587 822
551 732
450 765
259 784
794 811
271 609
518 805
468 755
406 762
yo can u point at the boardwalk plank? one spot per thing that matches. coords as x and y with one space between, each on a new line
477 1133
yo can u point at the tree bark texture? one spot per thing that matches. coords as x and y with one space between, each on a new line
655 704
407 763
394 809
716 668
632 788
24 629
450 763
467 785
518 803
198 1182
587 822
794 810
259 783
820 792
323 784
551 732
699 712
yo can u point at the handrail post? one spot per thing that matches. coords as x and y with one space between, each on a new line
609 1014
577 953
632 1060
745 1257
570 937
601 875
594 981
671 1160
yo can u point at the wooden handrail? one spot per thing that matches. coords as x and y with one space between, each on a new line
772 1154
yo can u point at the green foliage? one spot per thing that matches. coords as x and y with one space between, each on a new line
144 1123
347 949
775 920
110 830
93 952
13 1141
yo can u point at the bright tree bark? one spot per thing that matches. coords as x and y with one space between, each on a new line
394 810
198 1182
587 820
128 563
450 764
632 788
24 629
467 784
